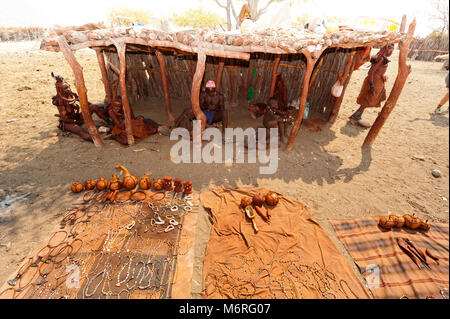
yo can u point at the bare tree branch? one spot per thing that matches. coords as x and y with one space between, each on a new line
220 5
260 12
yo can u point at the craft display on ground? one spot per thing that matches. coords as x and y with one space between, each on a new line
399 256
265 245
135 244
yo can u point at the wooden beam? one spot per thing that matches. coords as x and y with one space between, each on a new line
311 60
402 75
274 75
121 47
81 90
163 71
105 80
344 80
196 86
219 75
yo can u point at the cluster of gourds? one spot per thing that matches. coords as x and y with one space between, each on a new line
128 181
256 202
407 220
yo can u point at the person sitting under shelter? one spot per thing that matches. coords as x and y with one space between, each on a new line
70 117
280 93
141 127
212 104
273 116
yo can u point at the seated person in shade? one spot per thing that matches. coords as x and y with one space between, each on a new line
70 117
141 127
273 116
280 92
212 104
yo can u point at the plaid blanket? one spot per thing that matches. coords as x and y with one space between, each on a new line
388 271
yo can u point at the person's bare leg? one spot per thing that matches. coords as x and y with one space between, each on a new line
441 103
78 130
357 115
93 108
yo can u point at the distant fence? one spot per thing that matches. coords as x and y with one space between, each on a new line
428 48
21 34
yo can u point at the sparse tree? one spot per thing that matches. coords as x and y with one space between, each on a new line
126 16
198 18
250 8
441 15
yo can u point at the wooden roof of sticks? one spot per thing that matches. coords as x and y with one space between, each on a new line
227 45
312 59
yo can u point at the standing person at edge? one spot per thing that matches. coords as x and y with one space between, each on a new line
445 98
373 90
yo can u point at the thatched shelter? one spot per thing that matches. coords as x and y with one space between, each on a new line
142 62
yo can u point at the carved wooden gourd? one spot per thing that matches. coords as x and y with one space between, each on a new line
89 184
115 183
129 180
386 223
76 187
101 184
145 182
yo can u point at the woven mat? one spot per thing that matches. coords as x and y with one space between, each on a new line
292 257
112 250
389 272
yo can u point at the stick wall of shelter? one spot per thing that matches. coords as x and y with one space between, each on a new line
81 90
219 75
344 80
105 80
232 87
163 71
274 75
121 47
403 72
311 60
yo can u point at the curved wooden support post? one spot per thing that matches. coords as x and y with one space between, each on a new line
162 70
315 73
402 75
121 46
311 60
195 90
219 75
274 75
344 80
81 90
105 79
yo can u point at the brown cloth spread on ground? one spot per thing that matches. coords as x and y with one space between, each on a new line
399 276
292 257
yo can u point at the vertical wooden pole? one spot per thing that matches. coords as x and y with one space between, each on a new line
274 75
232 87
195 90
81 90
402 75
311 59
121 47
163 71
219 75
105 79
344 80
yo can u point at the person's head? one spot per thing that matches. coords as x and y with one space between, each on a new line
389 50
273 102
210 87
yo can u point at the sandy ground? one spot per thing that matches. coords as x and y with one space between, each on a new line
328 170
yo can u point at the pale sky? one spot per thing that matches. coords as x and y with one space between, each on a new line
46 13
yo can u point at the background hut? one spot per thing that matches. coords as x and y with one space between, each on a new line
138 62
